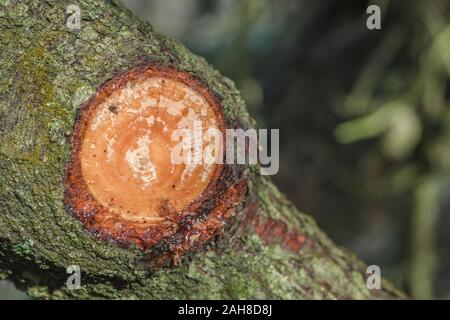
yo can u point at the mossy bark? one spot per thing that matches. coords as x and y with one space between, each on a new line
46 73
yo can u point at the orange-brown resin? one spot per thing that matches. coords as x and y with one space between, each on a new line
121 181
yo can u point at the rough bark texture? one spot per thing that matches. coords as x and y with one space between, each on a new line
47 72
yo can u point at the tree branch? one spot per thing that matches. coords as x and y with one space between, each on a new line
253 245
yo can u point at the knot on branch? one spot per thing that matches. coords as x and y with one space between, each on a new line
129 179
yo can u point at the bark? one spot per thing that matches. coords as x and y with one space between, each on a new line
47 72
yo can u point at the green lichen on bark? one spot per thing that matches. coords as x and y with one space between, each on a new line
47 72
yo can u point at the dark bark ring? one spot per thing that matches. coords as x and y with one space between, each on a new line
120 181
